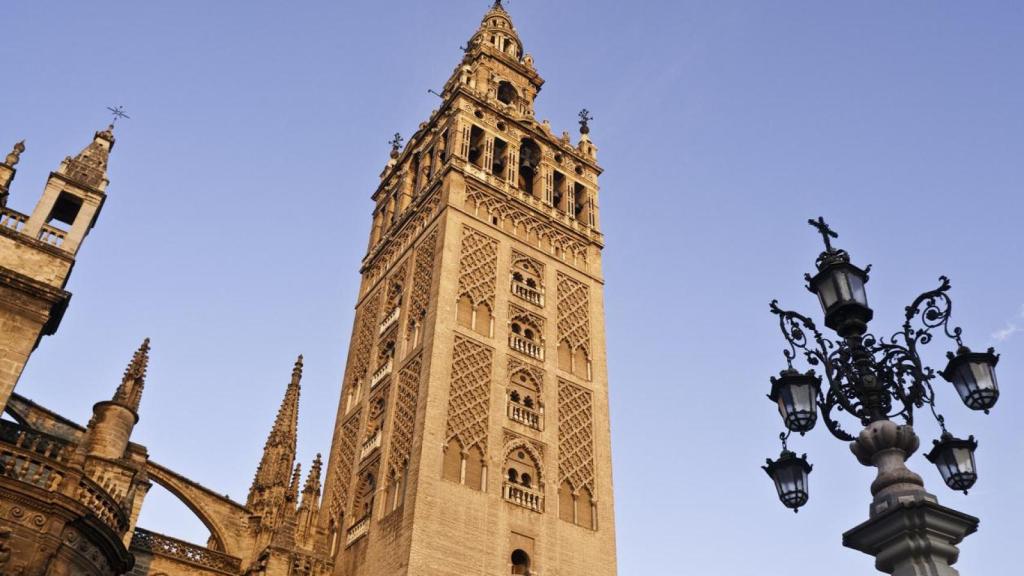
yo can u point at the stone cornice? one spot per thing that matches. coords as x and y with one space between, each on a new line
55 299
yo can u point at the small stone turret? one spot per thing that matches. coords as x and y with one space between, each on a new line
113 420
7 171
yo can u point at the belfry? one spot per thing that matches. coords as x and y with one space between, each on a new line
472 435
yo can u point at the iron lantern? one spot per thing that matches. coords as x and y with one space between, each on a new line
790 476
973 374
797 397
839 286
955 460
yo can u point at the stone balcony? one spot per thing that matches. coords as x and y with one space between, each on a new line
390 319
528 293
382 373
358 530
525 416
12 220
520 495
16 221
371 445
528 347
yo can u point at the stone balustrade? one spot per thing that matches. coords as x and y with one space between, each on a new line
102 505
525 416
528 347
51 235
12 219
382 373
358 530
522 496
184 551
371 444
44 462
530 294
390 319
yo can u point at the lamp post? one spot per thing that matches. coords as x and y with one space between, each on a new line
879 382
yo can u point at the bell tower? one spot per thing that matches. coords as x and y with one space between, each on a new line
472 435
37 251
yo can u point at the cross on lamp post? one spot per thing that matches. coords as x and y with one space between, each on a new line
878 381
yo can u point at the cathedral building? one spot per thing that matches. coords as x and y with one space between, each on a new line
472 434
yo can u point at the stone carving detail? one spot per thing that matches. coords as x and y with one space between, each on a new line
469 396
366 332
487 206
345 458
573 313
405 414
575 436
517 367
392 247
396 285
422 280
478 268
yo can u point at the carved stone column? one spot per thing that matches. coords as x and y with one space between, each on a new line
909 532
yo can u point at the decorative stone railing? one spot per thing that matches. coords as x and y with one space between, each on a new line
523 415
531 295
528 347
382 373
44 462
12 219
32 461
358 530
390 319
371 444
51 235
523 496
102 505
184 551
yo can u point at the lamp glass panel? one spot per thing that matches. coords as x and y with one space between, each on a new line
826 292
842 280
857 288
983 375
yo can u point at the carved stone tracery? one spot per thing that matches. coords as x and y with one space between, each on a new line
478 268
469 396
575 436
573 313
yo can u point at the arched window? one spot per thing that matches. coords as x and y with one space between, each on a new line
513 476
525 480
520 563
506 92
529 167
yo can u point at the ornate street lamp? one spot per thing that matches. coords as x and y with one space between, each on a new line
973 375
790 476
955 459
797 397
877 380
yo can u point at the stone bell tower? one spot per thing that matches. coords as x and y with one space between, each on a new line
37 251
472 435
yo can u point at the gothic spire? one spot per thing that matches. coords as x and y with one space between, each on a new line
275 468
311 491
89 167
293 488
129 393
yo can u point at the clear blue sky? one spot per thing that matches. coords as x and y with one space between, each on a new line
238 212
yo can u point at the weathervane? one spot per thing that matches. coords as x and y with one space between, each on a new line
396 144
585 119
118 112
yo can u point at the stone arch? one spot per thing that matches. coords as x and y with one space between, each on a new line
531 451
220 515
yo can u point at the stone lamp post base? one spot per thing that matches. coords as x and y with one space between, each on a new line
909 533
